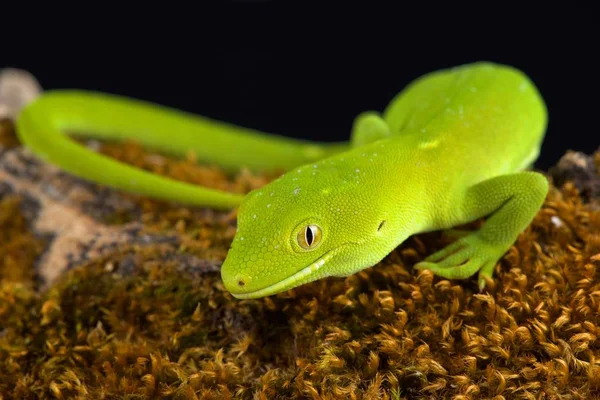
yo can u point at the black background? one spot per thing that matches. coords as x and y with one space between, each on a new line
307 71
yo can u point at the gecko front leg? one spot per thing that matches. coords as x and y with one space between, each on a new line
511 201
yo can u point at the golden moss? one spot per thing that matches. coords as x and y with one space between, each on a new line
186 170
19 247
143 322
8 138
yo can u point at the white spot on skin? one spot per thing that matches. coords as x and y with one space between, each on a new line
296 191
269 205
254 216
272 193
242 238
314 165
357 170
523 86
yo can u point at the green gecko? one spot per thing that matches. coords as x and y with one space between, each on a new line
454 146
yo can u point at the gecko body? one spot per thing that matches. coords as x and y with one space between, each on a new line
454 146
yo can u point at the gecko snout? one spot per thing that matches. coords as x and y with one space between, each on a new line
234 281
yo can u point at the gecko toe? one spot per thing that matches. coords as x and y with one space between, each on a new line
464 258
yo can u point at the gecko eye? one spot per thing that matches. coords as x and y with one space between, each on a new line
309 237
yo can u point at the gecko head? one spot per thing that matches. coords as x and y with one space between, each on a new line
310 223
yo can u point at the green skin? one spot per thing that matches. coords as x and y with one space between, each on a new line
454 146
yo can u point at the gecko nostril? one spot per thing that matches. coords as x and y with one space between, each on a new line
241 283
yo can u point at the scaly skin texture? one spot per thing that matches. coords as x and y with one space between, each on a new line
451 148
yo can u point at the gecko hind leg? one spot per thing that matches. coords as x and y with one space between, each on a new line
368 127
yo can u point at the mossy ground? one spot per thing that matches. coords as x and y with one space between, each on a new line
138 323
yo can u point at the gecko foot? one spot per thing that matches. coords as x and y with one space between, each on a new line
465 257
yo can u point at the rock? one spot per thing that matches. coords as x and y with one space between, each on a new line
581 170
17 89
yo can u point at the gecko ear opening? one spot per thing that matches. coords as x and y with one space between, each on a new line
381 225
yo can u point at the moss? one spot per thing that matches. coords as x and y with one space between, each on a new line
8 138
19 247
141 322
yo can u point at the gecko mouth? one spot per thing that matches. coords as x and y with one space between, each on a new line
294 280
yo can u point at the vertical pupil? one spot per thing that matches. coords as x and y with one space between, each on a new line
309 236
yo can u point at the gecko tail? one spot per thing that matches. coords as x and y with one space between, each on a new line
46 125
45 139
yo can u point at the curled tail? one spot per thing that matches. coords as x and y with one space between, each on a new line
43 126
